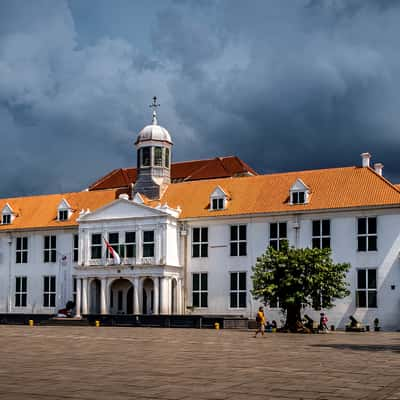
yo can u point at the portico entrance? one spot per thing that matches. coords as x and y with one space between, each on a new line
121 297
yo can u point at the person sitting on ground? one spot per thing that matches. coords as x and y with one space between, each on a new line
260 320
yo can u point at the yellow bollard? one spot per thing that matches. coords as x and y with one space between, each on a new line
216 326
97 324
31 323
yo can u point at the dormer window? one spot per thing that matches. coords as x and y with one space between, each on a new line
218 204
6 219
7 215
63 215
298 197
64 211
218 199
299 193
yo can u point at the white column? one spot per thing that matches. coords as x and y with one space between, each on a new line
179 296
156 294
78 298
170 310
84 296
103 296
136 303
164 299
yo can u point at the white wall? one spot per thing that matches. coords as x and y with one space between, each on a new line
344 248
35 270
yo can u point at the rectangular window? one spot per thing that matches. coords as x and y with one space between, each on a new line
200 290
218 204
148 243
75 248
20 291
274 303
200 242
298 198
367 237
166 158
321 234
63 215
21 252
277 234
130 244
238 292
238 240
158 156
6 219
96 246
146 156
49 291
366 293
74 285
49 249
113 239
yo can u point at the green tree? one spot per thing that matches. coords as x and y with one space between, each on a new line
298 277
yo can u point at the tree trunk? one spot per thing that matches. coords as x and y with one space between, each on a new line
293 319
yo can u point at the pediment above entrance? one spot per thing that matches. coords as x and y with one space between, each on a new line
124 209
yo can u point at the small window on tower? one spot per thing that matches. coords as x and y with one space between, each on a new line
158 156
146 155
166 158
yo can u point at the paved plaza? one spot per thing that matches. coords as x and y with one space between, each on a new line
150 363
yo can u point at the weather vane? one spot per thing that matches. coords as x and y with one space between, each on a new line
154 106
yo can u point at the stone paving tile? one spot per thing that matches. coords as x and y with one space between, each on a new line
179 364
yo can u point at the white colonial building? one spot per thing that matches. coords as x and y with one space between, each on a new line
187 235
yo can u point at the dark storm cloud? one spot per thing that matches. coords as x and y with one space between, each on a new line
296 85
285 85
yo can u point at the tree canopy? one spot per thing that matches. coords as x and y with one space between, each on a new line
298 277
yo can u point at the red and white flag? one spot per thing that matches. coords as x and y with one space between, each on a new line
112 251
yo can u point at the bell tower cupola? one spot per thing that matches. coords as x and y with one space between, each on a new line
153 146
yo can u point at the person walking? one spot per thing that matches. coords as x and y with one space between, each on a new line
260 320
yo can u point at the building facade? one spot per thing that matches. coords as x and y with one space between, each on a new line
187 244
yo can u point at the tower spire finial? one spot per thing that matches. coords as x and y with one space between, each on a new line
154 106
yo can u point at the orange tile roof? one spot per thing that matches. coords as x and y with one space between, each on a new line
41 211
334 188
219 167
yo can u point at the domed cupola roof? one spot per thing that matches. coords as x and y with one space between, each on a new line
153 132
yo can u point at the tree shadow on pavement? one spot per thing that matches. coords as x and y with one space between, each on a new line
362 347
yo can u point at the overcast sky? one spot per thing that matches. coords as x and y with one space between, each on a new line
285 85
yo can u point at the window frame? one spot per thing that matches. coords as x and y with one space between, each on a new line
21 296
49 296
148 244
6 219
96 246
75 248
201 244
236 292
320 237
130 244
218 203
63 214
278 239
200 291
367 235
236 243
50 250
367 290
296 197
21 250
